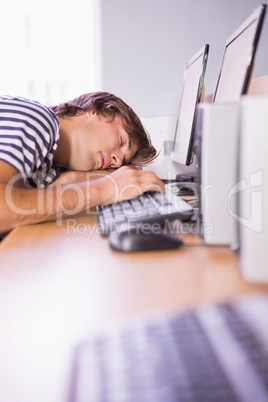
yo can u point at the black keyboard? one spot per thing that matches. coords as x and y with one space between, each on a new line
174 358
150 207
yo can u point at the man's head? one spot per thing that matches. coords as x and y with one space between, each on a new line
112 108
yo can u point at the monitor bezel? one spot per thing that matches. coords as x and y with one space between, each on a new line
175 156
258 15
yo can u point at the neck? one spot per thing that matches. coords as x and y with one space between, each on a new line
66 145
63 151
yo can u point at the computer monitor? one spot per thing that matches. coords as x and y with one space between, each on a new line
238 58
193 84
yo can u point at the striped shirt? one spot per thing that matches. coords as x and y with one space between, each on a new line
29 134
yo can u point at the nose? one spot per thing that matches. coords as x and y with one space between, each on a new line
117 159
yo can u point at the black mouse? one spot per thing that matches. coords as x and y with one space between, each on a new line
136 239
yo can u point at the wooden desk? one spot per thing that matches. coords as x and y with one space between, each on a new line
59 284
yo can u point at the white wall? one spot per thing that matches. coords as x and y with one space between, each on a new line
48 53
146 43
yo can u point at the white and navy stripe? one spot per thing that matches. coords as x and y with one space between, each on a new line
29 134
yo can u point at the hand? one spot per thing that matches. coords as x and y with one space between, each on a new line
126 183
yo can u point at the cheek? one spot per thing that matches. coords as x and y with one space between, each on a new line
108 141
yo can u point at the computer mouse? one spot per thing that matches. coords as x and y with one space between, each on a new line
135 239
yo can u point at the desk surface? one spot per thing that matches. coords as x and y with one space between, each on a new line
59 284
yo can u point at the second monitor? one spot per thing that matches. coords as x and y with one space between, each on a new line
193 89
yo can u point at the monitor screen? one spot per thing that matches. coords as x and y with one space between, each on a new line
238 58
183 145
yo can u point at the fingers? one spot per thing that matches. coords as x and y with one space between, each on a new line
135 182
150 182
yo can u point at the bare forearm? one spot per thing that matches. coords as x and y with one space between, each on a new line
75 177
27 206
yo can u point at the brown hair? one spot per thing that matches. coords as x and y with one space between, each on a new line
111 106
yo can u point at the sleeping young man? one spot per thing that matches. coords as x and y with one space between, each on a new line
54 160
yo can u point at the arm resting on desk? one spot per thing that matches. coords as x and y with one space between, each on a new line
20 206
